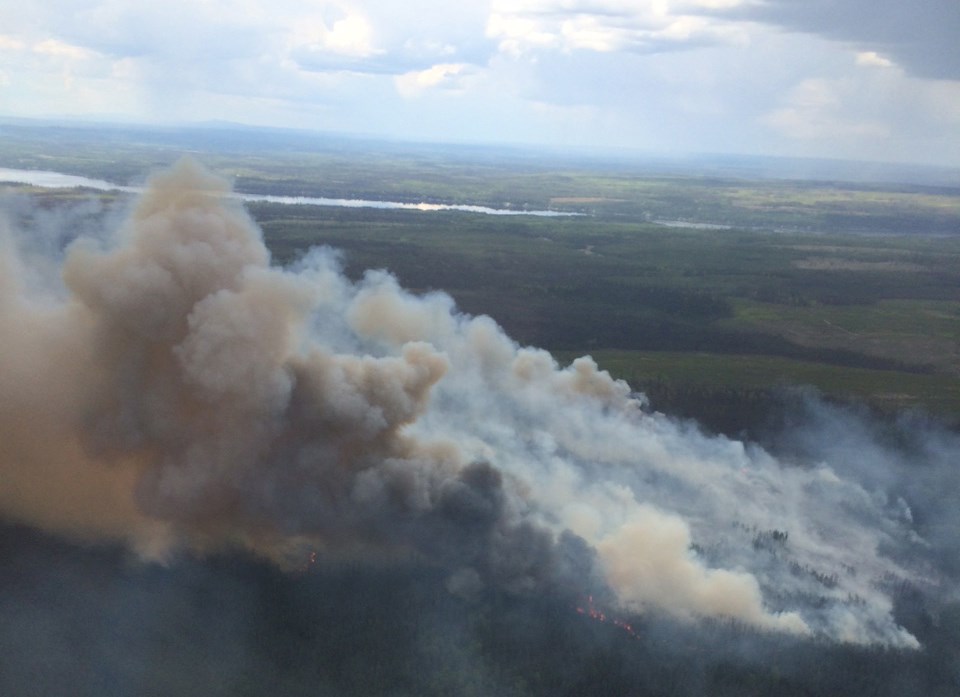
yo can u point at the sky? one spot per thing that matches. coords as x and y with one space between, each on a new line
849 79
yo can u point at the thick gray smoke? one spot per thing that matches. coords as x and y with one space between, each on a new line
179 392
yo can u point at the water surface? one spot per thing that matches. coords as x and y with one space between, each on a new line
58 180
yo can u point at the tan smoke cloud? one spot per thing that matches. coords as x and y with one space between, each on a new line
172 373
186 393
47 382
666 575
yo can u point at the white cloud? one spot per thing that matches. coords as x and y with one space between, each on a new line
881 113
872 59
667 74
815 110
590 33
610 25
516 33
60 49
920 36
126 69
444 75
11 43
350 36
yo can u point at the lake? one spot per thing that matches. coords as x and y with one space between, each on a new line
58 180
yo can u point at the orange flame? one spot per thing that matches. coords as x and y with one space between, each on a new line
598 615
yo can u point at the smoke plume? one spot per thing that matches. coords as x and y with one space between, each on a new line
177 392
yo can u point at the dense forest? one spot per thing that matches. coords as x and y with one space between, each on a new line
806 322
95 622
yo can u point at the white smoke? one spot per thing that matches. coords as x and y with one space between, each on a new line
184 393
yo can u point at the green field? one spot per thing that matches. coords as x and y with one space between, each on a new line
874 318
752 283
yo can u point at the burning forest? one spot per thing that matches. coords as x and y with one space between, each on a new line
176 407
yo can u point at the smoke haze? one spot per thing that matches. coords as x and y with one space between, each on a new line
176 392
